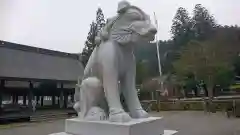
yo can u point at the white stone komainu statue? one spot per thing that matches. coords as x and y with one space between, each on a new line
110 70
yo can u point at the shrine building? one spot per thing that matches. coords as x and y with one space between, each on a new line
30 73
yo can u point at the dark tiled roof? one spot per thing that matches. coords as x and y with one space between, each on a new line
21 61
26 48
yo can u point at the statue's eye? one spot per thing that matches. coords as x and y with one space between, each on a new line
134 16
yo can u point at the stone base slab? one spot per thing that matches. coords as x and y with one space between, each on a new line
145 126
166 132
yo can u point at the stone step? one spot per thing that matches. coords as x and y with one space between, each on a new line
48 117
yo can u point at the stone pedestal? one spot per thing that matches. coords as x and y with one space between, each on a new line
146 126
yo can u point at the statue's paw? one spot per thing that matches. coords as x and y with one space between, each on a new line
96 114
139 113
119 115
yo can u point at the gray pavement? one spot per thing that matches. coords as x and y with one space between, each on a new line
187 123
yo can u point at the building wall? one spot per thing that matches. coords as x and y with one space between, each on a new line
24 64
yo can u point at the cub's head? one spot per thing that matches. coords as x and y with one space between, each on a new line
132 25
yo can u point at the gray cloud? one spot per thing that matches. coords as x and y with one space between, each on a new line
63 25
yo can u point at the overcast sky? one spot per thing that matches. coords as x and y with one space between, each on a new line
63 25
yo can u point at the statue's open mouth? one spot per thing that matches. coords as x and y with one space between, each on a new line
148 35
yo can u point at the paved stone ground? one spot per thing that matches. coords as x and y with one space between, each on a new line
198 123
187 123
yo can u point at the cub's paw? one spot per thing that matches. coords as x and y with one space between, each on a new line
96 114
119 115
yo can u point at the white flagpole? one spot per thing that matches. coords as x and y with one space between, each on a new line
159 65
158 55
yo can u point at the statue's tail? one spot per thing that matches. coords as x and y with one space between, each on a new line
77 99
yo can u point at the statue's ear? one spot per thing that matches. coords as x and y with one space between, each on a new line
78 86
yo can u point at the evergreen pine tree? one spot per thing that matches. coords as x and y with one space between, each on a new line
203 23
95 27
181 27
89 44
100 19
